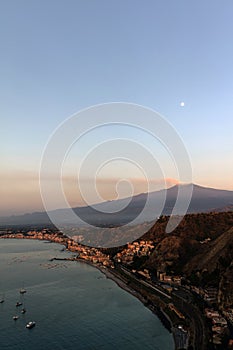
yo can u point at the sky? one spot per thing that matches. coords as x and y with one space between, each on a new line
59 57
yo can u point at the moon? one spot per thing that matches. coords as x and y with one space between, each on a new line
182 104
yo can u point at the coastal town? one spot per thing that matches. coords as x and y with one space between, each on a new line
190 313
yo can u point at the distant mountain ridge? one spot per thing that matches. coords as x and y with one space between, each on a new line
204 199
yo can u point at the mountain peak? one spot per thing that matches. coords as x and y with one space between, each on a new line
204 199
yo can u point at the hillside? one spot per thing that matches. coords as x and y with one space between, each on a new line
194 226
200 249
214 255
174 250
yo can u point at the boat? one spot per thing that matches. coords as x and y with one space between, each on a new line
15 317
23 290
23 310
18 303
30 324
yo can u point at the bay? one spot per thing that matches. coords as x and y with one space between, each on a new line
73 304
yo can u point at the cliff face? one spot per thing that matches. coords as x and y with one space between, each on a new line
214 266
201 249
217 254
194 226
194 245
171 253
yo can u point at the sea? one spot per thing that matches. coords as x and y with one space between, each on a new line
73 304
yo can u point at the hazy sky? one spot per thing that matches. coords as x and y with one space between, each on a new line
58 57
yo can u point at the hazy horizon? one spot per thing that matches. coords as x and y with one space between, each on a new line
59 58
42 208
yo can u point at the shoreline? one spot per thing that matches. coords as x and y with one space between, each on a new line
158 312
161 314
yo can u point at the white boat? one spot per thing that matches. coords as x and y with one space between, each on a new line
15 317
30 324
23 291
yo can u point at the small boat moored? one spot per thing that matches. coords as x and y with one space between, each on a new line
22 291
30 324
15 317
23 311
18 303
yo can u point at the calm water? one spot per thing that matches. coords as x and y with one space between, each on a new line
73 304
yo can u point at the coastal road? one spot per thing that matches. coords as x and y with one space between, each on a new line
145 283
181 338
183 300
198 326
